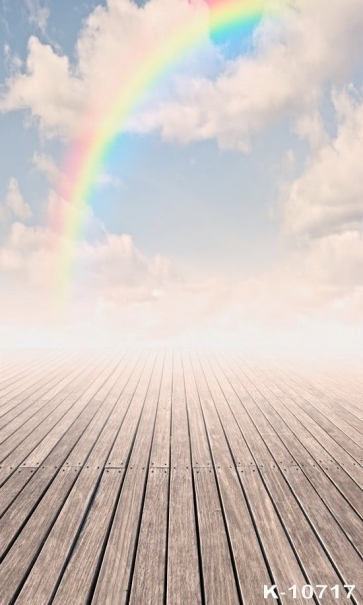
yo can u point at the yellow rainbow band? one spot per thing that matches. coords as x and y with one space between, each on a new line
223 14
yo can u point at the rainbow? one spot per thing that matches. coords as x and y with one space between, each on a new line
88 153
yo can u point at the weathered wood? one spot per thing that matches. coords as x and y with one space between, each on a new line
19 560
318 568
21 508
183 575
285 567
305 448
15 405
335 502
338 440
218 575
38 589
180 455
160 451
27 437
107 412
201 456
12 487
341 402
345 557
36 402
177 477
66 420
134 396
80 572
321 410
39 586
20 374
24 370
114 578
335 451
148 580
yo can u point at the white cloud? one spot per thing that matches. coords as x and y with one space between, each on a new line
38 13
14 204
104 179
321 210
64 97
336 261
109 266
45 163
53 97
295 57
328 196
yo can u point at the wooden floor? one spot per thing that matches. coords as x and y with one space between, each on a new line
178 477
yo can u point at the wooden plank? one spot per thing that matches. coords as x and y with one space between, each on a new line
237 397
216 558
216 438
244 490
347 518
141 448
338 438
183 580
284 565
25 549
341 402
114 578
11 366
180 455
17 404
65 421
76 444
38 587
249 560
77 582
323 413
27 368
36 403
252 485
17 398
20 510
241 453
12 487
335 502
311 553
160 452
46 570
250 565
59 455
148 579
345 557
183 574
348 385
134 391
27 372
243 513
29 434
336 452
305 448
200 452
123 442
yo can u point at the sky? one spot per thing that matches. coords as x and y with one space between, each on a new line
229 208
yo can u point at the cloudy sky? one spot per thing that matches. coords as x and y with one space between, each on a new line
230 208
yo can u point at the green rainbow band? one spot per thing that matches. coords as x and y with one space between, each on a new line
223 14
